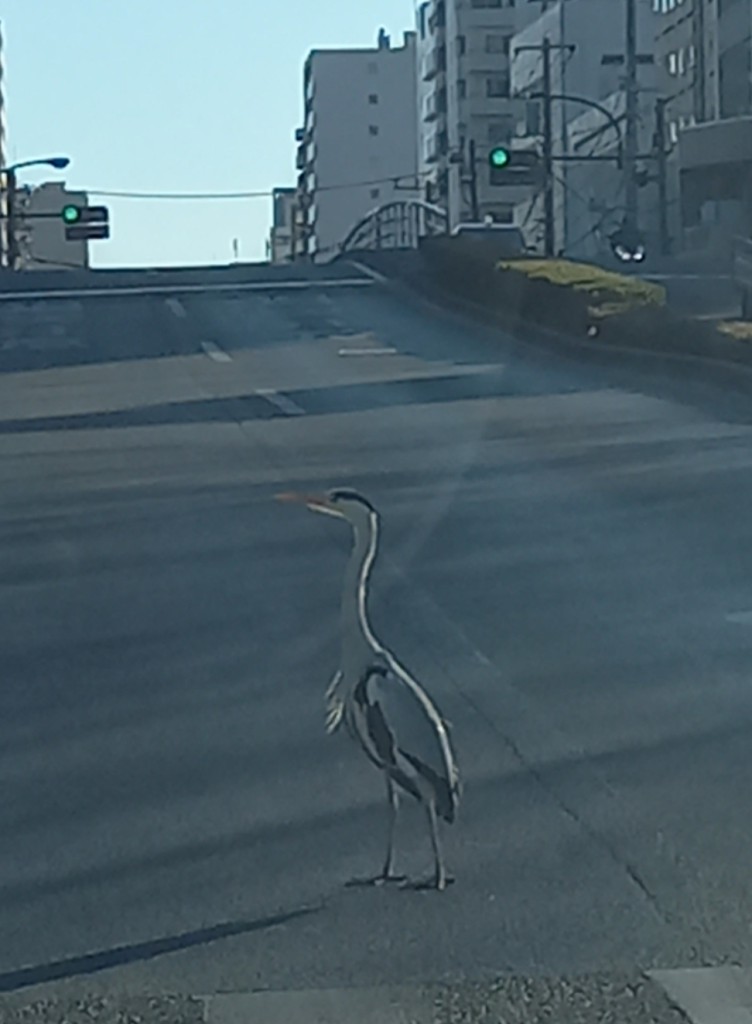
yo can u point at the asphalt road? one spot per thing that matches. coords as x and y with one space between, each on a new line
566 564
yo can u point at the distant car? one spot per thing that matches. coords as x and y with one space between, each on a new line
507 238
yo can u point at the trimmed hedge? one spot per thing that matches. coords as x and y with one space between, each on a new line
624 311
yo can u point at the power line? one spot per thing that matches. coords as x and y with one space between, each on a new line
256 194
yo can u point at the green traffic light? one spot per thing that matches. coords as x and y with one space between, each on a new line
499 157
71 214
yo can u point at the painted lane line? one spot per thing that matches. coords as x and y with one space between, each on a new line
373 274
386 351
282 402
688 277
186 289
741 618
213 351
176 307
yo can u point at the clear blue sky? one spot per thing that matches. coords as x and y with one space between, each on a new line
173 95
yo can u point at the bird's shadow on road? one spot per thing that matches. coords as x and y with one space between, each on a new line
91 963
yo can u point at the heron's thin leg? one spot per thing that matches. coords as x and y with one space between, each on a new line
440 878
387 874
393 801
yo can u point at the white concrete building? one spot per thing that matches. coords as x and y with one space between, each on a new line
42 241
705 59
358 148
464 49
587 61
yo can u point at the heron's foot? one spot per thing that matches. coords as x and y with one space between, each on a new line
436 883
384 878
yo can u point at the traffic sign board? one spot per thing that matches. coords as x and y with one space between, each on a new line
80 232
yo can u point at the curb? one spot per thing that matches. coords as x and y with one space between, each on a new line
733 372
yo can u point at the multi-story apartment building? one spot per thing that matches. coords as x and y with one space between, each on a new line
358 147
464 97
705 56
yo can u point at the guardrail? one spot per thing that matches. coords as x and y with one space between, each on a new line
396 225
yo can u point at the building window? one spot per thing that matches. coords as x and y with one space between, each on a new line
497 85
532 118
438 18
498 44
280 212
422 24
373 129
500 131
461 89
461 46
373 99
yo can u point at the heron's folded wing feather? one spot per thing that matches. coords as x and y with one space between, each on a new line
417 732
335 704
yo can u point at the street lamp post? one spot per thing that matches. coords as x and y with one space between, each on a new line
58 162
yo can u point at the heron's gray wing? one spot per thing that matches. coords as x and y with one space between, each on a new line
407 734
335 703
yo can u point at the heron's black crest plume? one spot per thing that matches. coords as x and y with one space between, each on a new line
347 494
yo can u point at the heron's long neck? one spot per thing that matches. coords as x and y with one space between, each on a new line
358 641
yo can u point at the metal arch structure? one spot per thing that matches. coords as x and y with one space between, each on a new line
396 225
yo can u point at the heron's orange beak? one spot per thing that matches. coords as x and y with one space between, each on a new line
316 502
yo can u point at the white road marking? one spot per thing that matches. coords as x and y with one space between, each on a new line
386 351
216 353
688 277
709 995
373 274
176 307
282 402
186 289
741 618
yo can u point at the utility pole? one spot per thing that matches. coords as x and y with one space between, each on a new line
631 86
549 223
547 148
660 142
700 44
474 203
11 186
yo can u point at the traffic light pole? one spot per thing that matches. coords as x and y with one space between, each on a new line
12 227
549 221
474 203
630 128
660 142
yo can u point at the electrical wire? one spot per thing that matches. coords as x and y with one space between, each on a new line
253 194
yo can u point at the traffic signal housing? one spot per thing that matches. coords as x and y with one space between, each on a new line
509 166
85 222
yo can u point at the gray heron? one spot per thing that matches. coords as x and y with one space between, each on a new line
382 706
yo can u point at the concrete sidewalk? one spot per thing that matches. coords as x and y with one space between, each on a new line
718 995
